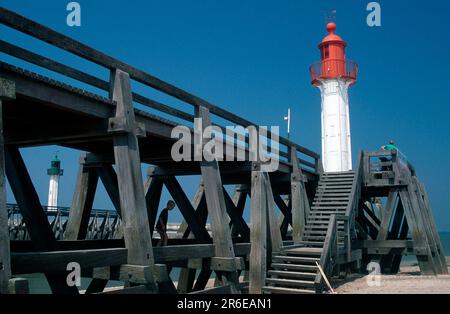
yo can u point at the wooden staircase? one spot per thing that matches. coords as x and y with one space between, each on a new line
294 271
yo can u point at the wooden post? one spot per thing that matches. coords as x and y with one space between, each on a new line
131 187
299 198
258 233
427 206
417 234
215 201
7 91
82 201
276 242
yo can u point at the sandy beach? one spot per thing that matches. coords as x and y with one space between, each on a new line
408 281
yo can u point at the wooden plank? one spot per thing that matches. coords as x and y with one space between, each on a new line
57 261
226 289
258 234
131 187
82 202
5 264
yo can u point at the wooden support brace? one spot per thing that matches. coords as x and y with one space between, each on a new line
82 202
33 214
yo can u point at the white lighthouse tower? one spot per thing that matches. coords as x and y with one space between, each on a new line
54 172
334 75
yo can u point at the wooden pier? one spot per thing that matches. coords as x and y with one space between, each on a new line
336 219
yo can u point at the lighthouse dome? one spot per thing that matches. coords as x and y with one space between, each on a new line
332 37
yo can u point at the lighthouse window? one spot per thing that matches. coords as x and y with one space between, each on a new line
326 50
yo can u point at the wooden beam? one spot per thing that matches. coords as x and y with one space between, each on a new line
108 177
131 187
239 199
258 253
299 199
56 262
7 90
236 217
215 201
276 242
187 210
152 189
82 202
425 263
33 214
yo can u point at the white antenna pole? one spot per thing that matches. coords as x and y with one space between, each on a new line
288 119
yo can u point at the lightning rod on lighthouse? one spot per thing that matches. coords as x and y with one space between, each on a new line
334 75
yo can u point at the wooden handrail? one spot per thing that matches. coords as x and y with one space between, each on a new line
329 246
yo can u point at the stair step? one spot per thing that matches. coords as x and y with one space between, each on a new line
315 232
308 245
328 211
320 228
306 251
295 259
291 274
296 267
339 197
278 290
314 238
330 200
289 283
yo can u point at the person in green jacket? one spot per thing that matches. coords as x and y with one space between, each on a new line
390 147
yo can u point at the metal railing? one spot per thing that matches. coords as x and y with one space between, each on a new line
326 69
45 34
103 224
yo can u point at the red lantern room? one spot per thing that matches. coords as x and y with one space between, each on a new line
333 64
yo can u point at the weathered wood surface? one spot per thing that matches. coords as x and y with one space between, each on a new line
258 234
215 201
5 265
131 187
82 202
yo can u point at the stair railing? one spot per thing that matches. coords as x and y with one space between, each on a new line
352 207
329 255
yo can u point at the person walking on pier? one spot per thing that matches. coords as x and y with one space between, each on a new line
161 225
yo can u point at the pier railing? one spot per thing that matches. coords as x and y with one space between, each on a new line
308 158
103 224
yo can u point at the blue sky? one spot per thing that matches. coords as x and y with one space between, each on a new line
252 58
